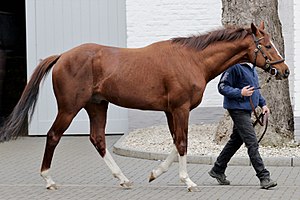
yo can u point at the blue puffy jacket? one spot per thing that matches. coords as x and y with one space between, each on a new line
231 83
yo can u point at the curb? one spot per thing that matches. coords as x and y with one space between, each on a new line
208 160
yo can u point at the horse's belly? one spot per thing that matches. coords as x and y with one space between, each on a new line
142 101
135 97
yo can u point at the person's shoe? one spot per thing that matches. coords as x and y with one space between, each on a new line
221 178
267 183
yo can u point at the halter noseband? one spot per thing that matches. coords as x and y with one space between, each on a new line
268 64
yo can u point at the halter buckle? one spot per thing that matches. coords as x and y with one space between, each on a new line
267 66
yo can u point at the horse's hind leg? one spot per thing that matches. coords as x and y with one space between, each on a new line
97 114
165 165
59 126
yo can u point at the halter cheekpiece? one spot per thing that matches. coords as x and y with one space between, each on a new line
268 64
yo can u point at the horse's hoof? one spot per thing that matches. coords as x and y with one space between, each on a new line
52 187
193 189
126 185
152 177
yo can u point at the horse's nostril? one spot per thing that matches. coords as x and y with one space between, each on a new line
286 73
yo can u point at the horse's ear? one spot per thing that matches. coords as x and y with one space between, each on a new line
262 25
253 28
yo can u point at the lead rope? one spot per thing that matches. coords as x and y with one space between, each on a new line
263 118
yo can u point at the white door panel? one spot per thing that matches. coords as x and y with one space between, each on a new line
56 26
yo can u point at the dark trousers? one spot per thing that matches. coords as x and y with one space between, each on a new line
243 132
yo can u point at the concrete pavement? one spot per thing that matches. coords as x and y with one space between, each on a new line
81 174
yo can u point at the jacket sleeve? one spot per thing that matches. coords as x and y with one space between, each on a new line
226 84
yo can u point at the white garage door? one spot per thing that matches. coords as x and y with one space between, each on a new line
56 26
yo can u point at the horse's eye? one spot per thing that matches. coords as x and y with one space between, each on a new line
268 46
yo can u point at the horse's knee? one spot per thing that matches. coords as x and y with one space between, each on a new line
99 145
181 148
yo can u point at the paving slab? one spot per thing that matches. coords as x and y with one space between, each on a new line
81 174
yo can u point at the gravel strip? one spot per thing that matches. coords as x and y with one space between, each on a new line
200 142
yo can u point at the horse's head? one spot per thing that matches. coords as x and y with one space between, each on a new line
264 54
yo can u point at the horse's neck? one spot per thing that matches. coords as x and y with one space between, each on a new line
222 56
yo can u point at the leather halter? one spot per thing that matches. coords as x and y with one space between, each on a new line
268 67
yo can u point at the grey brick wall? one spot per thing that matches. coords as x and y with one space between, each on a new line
286 15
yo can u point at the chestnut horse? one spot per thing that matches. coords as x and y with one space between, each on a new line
168 76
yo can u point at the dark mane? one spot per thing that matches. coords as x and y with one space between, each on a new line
200 42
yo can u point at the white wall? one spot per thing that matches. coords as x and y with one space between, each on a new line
56 26
286 16
162 20
289 13
297 67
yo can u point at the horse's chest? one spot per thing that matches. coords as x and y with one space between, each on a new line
196 94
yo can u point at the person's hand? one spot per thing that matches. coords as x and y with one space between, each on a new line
265 110
247 91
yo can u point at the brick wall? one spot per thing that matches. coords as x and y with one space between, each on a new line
297 68
286 15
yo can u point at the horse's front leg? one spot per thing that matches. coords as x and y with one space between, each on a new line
164 166
178 125
183 175
97 114
181 118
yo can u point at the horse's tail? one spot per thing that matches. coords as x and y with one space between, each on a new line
16 123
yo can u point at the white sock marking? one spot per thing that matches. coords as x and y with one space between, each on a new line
112 165
48 179
183 175
165 165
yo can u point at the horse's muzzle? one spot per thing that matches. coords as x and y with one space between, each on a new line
279 75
